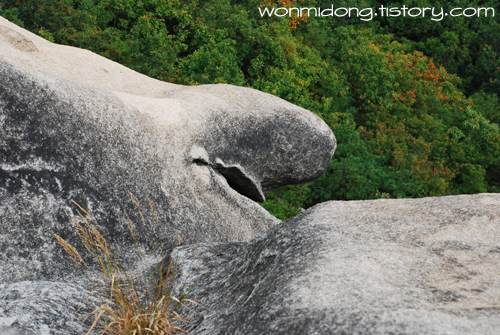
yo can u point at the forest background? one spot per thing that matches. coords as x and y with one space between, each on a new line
413 102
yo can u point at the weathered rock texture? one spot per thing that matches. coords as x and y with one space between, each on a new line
419 266
45 307
76 126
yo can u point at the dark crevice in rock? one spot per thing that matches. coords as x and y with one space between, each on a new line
236 178
199 161
239 181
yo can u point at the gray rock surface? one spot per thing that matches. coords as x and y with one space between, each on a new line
37 307
76 126
406 266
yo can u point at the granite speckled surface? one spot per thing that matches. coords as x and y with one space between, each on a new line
75 126
403 266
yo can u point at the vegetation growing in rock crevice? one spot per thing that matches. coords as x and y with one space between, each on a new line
128 305
413 102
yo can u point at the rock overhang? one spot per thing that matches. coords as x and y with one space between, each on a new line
203 154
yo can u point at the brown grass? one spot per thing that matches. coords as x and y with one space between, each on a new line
128 306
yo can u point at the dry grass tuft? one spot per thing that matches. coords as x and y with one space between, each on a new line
128 306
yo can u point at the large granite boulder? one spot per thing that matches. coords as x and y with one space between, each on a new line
406 266
76 126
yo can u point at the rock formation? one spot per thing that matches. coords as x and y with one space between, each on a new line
406 266
76 126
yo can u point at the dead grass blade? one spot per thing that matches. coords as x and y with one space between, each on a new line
127 305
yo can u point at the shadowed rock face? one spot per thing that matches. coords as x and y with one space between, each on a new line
75 126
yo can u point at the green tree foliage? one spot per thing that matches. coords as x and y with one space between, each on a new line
467 46
413 102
